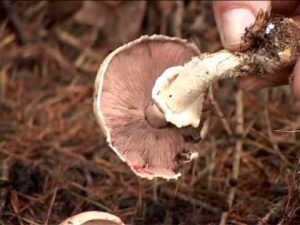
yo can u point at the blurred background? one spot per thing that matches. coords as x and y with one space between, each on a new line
54 162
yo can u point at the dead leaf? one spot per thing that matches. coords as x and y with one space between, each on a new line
58 10
119 22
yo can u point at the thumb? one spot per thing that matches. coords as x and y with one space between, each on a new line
232 17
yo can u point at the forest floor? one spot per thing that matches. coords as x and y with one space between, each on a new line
54 162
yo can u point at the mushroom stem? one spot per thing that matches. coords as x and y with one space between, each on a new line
180 91
196 75
155 116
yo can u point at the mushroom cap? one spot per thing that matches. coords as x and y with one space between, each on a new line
93 218
123 90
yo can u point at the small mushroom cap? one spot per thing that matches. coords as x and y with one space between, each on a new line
123 90
93 218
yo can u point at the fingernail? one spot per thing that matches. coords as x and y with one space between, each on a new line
233 24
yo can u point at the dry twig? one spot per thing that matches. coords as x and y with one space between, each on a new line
237 155
15 22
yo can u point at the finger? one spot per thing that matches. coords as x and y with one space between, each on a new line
296 11
256 82
232 17
296 79
284 7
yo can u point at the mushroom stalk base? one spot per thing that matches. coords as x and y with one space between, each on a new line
180 91
155 116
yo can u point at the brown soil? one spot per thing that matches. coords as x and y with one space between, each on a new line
274 43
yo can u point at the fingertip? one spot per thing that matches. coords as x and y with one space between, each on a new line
250 83
284 7
257 82
232 17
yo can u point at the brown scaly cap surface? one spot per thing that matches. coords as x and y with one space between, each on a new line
123 90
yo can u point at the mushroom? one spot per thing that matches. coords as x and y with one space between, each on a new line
274 47
135 128
93 218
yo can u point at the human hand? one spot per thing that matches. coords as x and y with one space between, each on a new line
232 17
